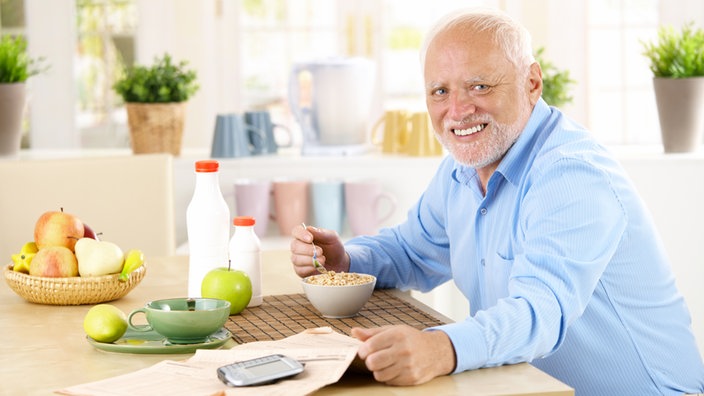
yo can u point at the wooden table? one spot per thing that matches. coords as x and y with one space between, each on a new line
43 347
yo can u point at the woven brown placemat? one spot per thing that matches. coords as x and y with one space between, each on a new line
281 316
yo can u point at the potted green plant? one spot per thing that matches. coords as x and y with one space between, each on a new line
16 66
677 62
556 82
155 98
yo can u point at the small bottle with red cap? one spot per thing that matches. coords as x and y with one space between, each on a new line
245 255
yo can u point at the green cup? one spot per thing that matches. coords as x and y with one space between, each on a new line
183 320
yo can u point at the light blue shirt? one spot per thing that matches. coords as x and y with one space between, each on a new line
560 261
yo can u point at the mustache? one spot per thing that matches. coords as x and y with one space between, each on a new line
469 120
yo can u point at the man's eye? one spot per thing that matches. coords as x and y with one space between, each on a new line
439 91
480 87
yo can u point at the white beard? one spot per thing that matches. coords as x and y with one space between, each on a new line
490 148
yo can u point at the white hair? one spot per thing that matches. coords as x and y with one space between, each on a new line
510 36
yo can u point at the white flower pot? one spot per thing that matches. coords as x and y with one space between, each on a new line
680 104
12 103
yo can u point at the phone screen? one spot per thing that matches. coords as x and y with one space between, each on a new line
259 371
268 368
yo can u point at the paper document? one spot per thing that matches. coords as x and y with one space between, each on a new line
327 354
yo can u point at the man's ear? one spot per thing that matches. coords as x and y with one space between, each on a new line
535 82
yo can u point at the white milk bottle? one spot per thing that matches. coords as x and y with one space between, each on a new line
208 226
245 255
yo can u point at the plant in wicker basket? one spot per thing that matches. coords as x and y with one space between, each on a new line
155 98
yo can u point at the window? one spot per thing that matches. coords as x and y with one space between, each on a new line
12 16
404 29
274 34
243 52
105 45
271 36
621 102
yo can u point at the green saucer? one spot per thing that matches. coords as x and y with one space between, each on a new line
144 342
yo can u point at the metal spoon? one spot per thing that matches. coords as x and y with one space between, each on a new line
316 263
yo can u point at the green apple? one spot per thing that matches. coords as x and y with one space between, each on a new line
54 262
58 228
96 258
228 284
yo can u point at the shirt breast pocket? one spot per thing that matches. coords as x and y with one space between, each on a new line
497 273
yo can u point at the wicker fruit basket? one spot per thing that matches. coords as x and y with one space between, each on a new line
73 290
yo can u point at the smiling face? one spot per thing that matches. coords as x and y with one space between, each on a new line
479 101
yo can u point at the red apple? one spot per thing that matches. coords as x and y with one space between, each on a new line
54 262
58 229
230 285
88 232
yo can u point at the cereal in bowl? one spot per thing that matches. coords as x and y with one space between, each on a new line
333 278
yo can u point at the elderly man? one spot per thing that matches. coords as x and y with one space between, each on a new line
536 224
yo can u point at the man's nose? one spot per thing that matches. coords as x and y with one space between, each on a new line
461 105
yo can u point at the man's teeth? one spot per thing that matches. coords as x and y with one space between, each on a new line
465 132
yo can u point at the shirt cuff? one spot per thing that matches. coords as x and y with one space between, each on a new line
357 254
362 260
469 344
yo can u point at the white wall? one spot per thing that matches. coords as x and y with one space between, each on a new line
673 189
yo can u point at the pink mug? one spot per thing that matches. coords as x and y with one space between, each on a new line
368 206
252 198
290 204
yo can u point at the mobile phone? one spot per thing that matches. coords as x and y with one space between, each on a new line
259 371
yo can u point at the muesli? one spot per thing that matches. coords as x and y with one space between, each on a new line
333 278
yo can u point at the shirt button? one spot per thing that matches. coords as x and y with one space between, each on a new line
483 262
483 211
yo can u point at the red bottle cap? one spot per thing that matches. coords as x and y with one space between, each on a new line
207 166
243 221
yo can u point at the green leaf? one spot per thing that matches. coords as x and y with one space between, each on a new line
162 82
676 53
556 82
15 65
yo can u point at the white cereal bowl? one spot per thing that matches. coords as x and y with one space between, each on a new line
338 301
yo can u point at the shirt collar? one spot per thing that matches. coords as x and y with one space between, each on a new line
514 162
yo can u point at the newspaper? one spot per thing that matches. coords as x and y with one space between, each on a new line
326 353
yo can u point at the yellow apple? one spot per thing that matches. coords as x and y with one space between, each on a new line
54 262
96 258
58 228
105 323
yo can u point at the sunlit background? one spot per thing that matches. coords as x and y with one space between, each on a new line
243 51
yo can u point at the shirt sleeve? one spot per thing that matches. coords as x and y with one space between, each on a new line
412 255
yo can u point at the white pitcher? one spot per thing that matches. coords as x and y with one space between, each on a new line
332 100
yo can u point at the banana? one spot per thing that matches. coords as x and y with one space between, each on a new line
22 259
29 247
133 260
